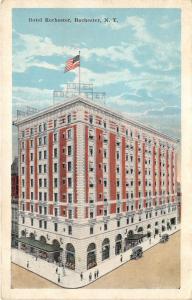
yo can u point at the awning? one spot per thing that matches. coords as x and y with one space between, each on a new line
135 237
39 245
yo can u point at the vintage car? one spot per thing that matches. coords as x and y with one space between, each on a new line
137 252
164 238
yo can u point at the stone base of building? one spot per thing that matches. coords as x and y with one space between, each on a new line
67 278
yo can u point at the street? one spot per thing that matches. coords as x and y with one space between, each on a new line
158 268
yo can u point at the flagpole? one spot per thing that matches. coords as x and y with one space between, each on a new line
79 71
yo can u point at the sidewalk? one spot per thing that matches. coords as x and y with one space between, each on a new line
72 279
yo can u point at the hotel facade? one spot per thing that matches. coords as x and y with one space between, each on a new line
92 184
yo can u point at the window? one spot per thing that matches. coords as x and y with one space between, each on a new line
31 208
40 210
105 168
31 156
23 207
69 182
70 198
45 154
45 224
69 166
91 151
91 215
40 182
91 119
70 214
23 134
45 210
31 169
31 182
23 220
118 210
55 123
105 153
45 168
56 212
31 222
45 182
55 197
40 155
40 223
44 126
45 196
40 196
127 220
23 170
69 134
91 230
55 137
105 212
55 182
118 223
117 155
55 152
40 141
69 119
40 169
69 150
70 230
31 143
55 226
23 182
23 158
105 226
55 167
45 140
31 195
40 128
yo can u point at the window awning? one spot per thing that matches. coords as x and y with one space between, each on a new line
39 245
135 237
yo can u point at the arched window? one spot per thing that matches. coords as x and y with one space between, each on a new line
140 229
70 256
105 248
23 233
130 232
91 256
149 226
42 239
32 236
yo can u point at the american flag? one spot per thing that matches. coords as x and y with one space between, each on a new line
72 63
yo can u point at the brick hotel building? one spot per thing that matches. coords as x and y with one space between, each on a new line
92 183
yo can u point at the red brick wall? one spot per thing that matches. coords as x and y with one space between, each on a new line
35 169
63 168
123 174
27 170
160 176
86 164
154 177
112 169
144 186
51 166
75 163
136 174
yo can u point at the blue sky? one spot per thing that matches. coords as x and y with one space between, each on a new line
135 61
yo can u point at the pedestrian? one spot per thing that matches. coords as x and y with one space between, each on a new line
90 277
121 259
97 273
56 270
81 275
27 264
58 278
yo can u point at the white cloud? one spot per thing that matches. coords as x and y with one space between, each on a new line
28 47
102 79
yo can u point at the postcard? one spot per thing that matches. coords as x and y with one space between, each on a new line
96 150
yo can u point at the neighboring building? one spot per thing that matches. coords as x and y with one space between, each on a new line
14 202
92 183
